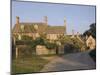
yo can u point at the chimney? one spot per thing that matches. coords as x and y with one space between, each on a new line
17 20
77 34
73 33
86 37
65 24
46 20
65 21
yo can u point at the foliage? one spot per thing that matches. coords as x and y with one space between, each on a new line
93 54
34 43
68 48
91 31
65 39
39 41
73 45
77 44
50 45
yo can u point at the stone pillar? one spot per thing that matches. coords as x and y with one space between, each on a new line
16 52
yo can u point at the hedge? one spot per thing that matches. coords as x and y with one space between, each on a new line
34 43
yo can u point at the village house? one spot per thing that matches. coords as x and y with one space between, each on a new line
34 29
52 33
90 42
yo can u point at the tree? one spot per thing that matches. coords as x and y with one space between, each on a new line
91 31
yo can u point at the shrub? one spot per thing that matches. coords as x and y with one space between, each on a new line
73 45
64 39
93 54
69 48
39 41
29 46
50 45
78 44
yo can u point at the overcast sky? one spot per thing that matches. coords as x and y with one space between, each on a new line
78 17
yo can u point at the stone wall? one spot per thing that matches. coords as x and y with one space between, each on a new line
42 50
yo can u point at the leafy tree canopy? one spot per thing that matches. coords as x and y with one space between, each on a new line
91 31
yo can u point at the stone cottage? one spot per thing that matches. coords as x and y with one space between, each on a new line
34 29
90 42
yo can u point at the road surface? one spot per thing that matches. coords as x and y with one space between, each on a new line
75 61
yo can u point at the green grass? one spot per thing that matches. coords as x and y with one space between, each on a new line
28 65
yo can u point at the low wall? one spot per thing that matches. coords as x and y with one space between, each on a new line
42 50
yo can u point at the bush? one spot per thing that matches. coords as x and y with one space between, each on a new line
29 46
65 39
50 45
93 54
73 45
78 44
69 48
39 41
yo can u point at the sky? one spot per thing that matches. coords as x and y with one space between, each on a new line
78 17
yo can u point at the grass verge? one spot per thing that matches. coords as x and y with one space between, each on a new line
28 65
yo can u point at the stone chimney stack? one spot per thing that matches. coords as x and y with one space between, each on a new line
65 23
73 35
86 37
46 20
17 20
77 34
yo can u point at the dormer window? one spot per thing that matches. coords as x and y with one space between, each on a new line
19 37
36 27
22 27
